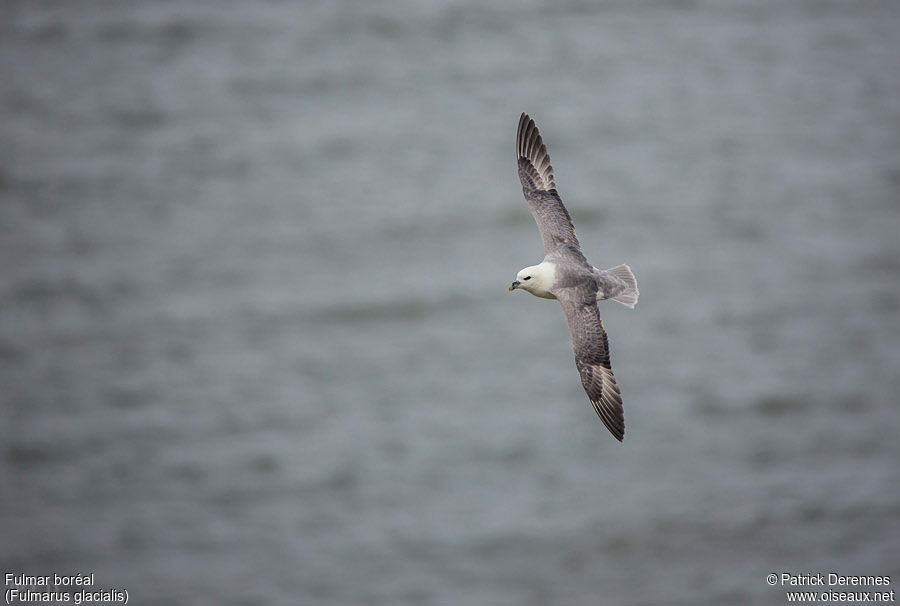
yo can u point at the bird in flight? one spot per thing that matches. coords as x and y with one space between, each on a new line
567 276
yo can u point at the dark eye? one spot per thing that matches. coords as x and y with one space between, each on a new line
527 278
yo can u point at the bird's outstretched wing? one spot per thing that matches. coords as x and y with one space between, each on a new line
539 187
592 360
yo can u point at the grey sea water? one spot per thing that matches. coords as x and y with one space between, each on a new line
256 345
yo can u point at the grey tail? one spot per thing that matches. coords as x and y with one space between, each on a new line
629 296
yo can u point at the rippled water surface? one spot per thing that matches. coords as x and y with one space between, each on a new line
256 345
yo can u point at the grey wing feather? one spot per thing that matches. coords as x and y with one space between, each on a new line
592 360
529 146
539 187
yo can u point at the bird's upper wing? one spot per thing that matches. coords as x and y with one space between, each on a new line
536 175
592 359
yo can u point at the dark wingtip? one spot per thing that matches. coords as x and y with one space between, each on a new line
523 121
616 427
615 423
617 432
530 146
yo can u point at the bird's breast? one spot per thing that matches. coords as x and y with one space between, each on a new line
544 294
544 280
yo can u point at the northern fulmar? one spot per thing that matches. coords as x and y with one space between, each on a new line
566 275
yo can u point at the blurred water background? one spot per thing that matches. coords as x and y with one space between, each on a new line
256 345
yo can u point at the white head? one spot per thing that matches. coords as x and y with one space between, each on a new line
537 279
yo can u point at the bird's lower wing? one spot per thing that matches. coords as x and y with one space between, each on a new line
592 360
